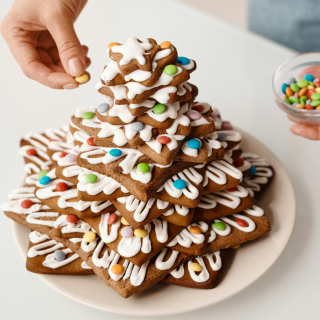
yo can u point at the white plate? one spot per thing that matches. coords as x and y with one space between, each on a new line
252 259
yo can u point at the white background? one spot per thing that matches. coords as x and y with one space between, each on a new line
234 74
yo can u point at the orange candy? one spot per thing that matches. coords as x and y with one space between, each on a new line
113 44
117 269
289 92
195 230
302 92
165 45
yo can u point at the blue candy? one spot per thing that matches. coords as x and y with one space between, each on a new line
183 61
308 77
179 184
194 144
115 152
284 87
45 180
253 170
137 126
291 80
221 136
103 107
59 255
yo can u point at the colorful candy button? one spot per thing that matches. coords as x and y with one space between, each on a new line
26 204
31 152
88 115
289 92
253 170
61 186
115 152
227 126
112 218
165 45
117 269
137 126
126 232
170 70
89 236
220 226
159 108
314 103
164 140
198 107
71 157
294 87
183 61
103 107
124 221
308 107
90 142
44 180
111 45
72 218
293 99
315 96
284 87
141 233
194 116
194 144
234 189
42 174
63 154
195 267
239 162
82 79
308 77
179 184
302 83
91 178
195 230
222 136
242 223
59 255
143 167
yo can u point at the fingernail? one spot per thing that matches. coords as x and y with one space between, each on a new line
75 67
70 86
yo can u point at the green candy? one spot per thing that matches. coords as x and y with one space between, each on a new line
88 115
304 98
294 87
293 99
91 178
170 70
315 96
42 174
143 167
302 83
287 100
220 226
314 103
311 83
159 108
302 102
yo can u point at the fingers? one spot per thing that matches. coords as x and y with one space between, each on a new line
306 131
314 70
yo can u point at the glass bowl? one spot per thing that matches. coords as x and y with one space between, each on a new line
292 68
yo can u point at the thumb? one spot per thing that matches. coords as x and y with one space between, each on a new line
306 131
69 47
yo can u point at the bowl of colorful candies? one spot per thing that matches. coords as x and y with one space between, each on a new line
296 87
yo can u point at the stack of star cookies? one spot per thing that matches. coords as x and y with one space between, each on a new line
149 186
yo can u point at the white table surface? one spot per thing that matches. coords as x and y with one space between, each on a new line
234 74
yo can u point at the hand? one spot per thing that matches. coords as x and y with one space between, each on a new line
41 37
306 131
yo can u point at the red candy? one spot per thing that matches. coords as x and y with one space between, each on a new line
308 107
31 152
90 142
72 219
310 92
317 82
112 218
198 107
61 186
164 140
227 126
63 154
234 189
242 223
26 204
239 162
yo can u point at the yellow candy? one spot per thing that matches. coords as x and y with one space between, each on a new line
237 246
300 106
89 236
82 79
113 44
318 108
310 87
117 269
195 267
317 89
165 45
195 230
141 233
124 221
